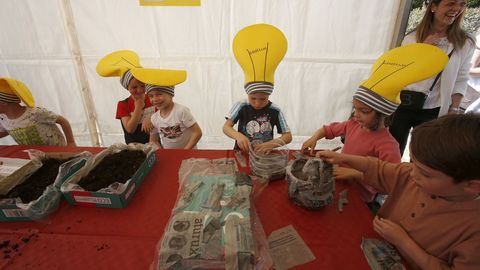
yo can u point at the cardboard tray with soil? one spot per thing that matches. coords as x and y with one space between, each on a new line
117 167
33 187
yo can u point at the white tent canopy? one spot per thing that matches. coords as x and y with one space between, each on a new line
53 47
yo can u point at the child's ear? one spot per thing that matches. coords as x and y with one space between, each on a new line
473 186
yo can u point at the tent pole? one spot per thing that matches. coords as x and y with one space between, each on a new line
66 9
400 24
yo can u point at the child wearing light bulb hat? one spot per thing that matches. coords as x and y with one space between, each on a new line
133 112
258 49
376 98
29 124
174 124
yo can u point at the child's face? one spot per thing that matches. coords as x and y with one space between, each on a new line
364 115
136 88
160 99
258 100
435 182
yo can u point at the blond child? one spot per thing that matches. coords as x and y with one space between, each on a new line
432 212
173 124
29 124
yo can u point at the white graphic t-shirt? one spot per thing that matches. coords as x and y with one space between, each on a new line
173 129
34 126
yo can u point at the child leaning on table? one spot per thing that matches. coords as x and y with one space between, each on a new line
375 99
29 124
432 212
173 123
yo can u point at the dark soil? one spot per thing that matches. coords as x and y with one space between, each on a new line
33 186
118 167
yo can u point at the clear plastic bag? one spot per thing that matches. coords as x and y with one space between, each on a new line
213 223
269 166
49 201
114 188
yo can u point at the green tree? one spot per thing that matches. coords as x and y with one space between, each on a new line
420 3
473 3
417 4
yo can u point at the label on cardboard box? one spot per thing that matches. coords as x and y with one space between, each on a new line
15 213
88 199
129 192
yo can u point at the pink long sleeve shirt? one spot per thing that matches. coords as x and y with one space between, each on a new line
364 142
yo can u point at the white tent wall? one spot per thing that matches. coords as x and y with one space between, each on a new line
331 46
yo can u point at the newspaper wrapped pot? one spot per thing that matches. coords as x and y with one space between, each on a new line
310 182
269 166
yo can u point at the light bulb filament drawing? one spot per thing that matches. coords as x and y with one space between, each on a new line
122 62
385 63
251 55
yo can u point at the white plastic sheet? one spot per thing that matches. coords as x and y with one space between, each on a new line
331 47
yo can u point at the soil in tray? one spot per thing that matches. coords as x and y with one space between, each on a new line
118 167
33 186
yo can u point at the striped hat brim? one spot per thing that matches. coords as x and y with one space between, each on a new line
375 101
259 87
167 89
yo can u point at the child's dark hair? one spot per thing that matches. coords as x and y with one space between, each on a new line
450 144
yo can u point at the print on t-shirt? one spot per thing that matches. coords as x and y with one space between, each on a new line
259 128
171 132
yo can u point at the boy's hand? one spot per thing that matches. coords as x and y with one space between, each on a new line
309 145
243 142
147 125
342 173
73 144
390 231
330 156
263 148
140 103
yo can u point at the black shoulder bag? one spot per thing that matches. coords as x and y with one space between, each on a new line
413 100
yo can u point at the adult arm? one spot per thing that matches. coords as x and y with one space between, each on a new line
475 69
462 77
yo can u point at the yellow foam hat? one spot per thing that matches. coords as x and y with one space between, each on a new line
115 64
14 87
402 66
160 77
259 48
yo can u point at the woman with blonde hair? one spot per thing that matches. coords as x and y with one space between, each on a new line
441 94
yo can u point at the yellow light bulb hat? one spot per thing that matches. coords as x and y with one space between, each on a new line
13 91
396 69
119 64
259 48
160 79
